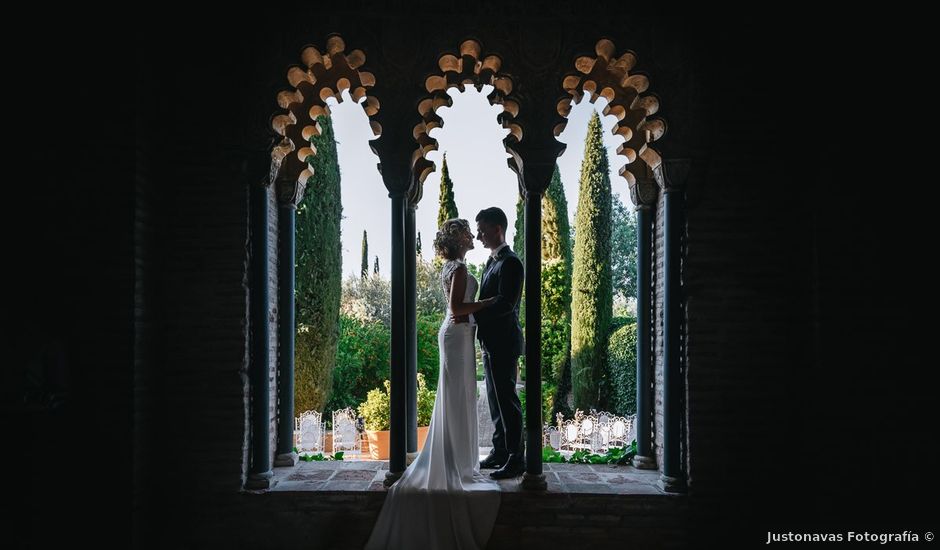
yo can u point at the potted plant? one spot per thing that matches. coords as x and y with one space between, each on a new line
374 411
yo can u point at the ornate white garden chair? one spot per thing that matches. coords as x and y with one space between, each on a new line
345 434
579 432
620 431
602 433
552 438
309 429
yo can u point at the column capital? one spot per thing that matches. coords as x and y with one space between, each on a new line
289 192
644 192
673 174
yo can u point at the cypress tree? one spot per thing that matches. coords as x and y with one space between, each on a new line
592 300
556 280
364 267
318 276
448 208
518 240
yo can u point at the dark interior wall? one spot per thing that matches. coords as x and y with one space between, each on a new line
807 388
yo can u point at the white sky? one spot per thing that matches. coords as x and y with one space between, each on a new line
476 159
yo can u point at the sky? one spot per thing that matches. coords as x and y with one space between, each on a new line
476 160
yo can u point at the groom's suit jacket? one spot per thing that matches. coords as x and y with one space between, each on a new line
498 325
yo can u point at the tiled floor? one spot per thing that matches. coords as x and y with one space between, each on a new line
367 475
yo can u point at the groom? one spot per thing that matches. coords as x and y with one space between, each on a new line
501 343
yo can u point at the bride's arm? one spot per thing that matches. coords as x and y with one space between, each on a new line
458 286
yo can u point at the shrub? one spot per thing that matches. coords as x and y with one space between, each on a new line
374 410
362 361
622 370
425 401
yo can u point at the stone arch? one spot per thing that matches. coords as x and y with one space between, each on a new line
319 76
626 91
467 66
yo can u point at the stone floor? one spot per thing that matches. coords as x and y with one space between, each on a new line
367 475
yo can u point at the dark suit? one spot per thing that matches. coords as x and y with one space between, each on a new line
502 343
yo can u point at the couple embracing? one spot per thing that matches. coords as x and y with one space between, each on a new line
443 501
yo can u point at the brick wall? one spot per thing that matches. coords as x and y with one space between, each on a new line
658 321
341 521
273 263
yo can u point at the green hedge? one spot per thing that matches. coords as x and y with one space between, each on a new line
622 370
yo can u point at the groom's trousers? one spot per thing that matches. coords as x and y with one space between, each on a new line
501 368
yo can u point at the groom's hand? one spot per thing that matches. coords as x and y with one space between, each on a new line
460 318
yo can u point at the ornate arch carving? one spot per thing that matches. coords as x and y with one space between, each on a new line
610 76
467 66
319 76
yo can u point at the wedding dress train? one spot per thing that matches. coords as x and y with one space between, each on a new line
442 502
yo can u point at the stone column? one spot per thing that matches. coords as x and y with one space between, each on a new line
411 331
260 475
290 193
398 415
533 478
644 194
673 475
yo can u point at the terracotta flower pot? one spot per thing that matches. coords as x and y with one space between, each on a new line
378 442
422 435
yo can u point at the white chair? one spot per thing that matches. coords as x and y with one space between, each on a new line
552 438
601 438
309 429
579 432
631 428
620 429
569 435
345 434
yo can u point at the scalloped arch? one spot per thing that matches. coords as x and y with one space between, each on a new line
466 66
607 75
321 75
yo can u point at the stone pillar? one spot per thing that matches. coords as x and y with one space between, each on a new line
260 475
533 477
399 409
411 331
644 195
290 193
673 475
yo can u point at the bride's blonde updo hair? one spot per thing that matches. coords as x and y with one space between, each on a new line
447 240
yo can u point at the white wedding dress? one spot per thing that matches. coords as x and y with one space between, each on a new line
442 502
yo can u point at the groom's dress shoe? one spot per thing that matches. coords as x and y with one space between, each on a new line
511 469
492 461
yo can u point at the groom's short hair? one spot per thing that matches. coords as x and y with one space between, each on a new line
493 215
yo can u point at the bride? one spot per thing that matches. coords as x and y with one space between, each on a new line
442 501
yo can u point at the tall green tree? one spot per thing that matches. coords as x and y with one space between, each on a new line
518 246
556 280
418 245
592 299
318 276
375 269
364 268
518 240
448 208
623 251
